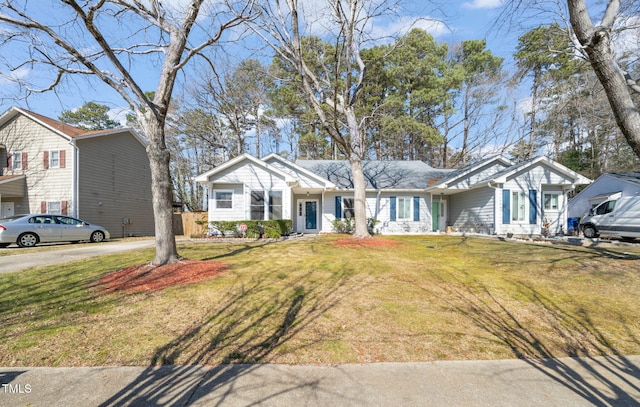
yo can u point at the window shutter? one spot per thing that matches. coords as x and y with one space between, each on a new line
62 157
533 207
46 160
392 208
416 208
338 207
63 207
24 161
43 207
506 206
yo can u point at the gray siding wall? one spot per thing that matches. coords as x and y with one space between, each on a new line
115 184
473 211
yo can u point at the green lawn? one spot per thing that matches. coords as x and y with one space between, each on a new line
309 301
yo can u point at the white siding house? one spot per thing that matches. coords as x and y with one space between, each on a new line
404 197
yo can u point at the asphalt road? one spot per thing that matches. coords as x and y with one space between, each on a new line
71 252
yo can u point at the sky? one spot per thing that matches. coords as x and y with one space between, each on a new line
453 22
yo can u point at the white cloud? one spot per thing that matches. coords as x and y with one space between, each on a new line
14 76
119 114
476 4
405 24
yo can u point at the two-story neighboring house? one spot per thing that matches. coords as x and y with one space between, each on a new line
102 177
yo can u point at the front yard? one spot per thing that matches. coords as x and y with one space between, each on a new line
418 298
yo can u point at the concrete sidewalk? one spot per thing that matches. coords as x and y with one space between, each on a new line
610 381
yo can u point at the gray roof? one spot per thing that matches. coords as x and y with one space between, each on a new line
633 177
377 174
455 173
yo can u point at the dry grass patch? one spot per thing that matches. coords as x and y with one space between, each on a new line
418 298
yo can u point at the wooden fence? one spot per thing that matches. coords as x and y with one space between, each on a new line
186 223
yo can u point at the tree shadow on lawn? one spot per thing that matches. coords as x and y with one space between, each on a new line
255 322
52 297
597 371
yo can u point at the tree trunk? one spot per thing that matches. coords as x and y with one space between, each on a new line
356 153
162 194
596 43
359 198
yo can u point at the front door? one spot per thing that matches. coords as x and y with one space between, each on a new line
311 215
439 215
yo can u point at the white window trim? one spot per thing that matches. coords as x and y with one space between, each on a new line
524 204
269 206
215 199
16 157
409 216
353 208
559 201
59 209
51 159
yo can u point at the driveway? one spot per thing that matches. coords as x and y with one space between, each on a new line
27 260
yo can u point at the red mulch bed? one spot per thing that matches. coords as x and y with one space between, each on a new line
147 277
367 242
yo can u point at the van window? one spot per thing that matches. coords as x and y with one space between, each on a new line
605 208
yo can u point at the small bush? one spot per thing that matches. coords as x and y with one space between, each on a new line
343 225
272 229
226 228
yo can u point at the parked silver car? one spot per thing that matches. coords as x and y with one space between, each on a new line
29 230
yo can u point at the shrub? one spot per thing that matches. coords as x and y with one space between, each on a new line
272 229
343 225
371 225
226 228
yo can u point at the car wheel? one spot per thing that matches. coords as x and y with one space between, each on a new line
97 236
590 232
27 240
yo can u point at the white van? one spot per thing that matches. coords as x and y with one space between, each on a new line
618 217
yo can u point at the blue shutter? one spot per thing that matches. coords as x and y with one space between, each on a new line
338 207
506 206
392 208
533 207
416 208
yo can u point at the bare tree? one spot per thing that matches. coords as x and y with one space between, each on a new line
618 84
332 86
107 39
594 41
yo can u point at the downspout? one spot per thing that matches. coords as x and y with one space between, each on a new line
495 207
377 208
75 191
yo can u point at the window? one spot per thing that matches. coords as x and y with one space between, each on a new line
65 220
606 207
54 208
275 205
16 161
257 205
224 199
518 206
54 159
404 208
347 208
551 202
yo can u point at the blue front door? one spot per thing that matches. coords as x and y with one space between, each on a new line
311 215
